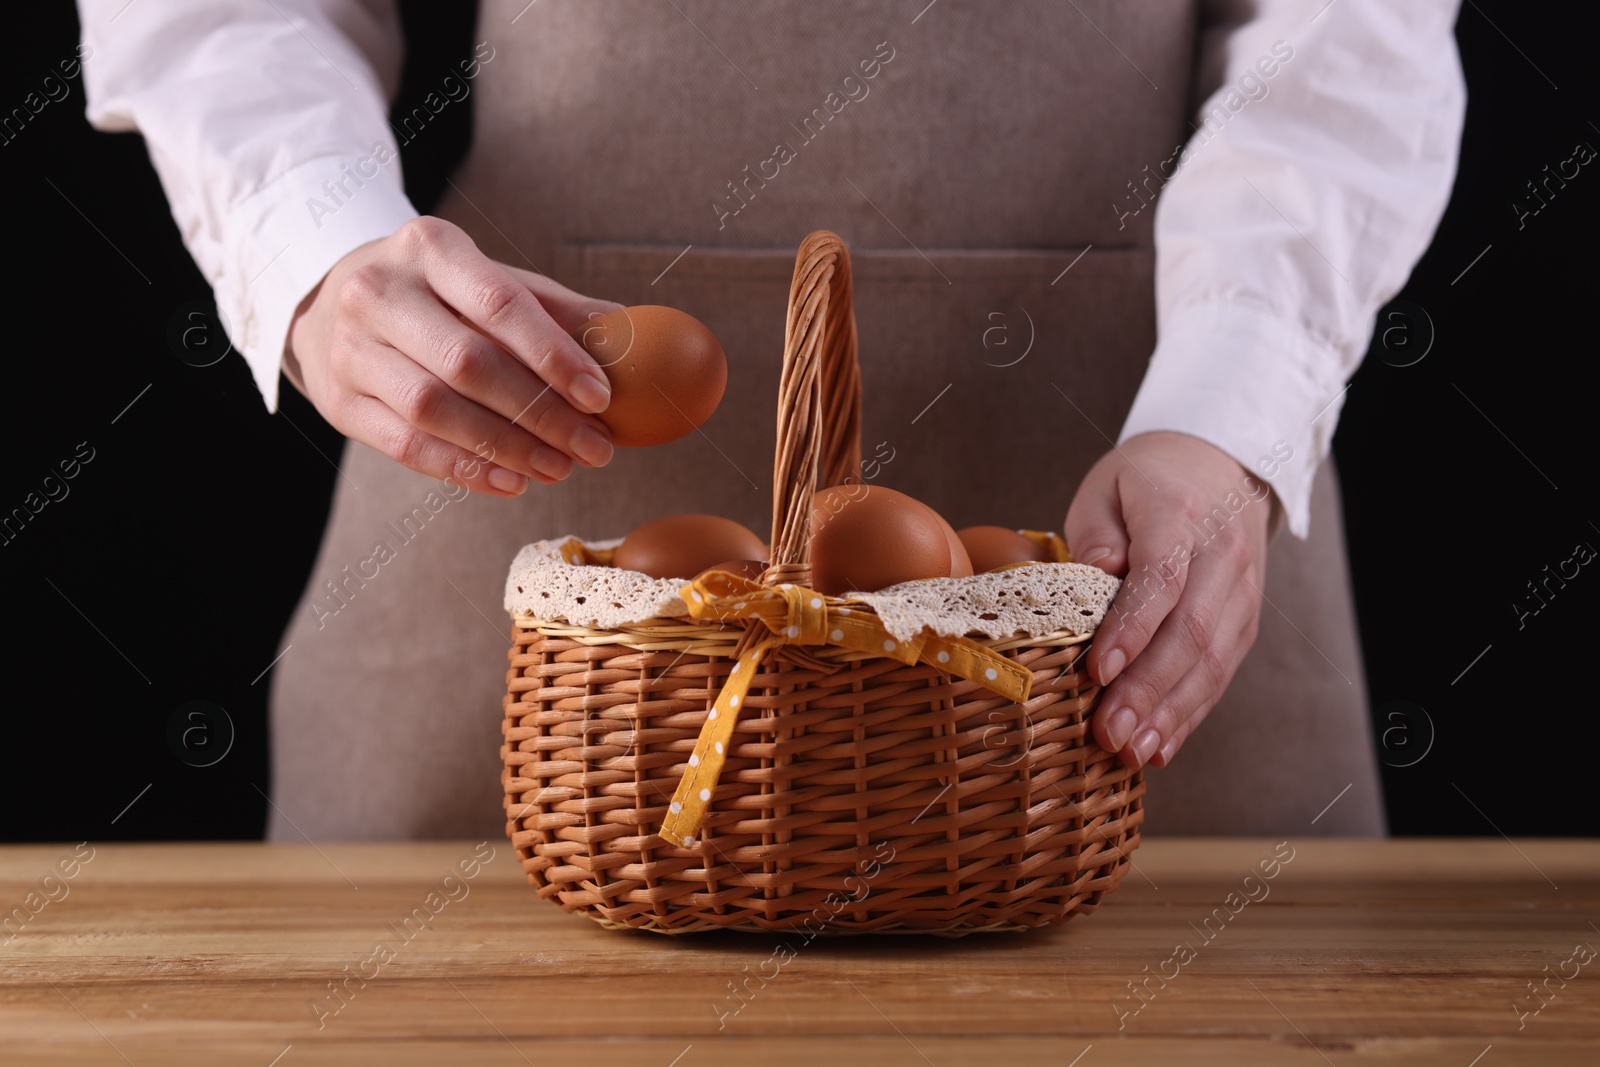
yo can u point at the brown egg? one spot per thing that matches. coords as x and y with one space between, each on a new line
868 538
960 562
667 372
679 546
743 568
992 547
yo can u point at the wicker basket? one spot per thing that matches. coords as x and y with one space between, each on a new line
859 792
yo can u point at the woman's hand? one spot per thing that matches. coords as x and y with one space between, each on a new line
1186 527
442 359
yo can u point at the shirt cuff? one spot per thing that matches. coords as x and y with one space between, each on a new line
288 234
1253 385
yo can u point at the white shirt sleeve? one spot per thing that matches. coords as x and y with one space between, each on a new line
266 121
1318 171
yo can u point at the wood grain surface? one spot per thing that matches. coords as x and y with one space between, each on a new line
1402 951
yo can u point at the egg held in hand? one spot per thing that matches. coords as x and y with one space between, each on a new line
993 547
667 372
868 538
682 546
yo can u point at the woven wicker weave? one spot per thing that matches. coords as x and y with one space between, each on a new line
859 793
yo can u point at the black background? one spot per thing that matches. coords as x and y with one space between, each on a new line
168 572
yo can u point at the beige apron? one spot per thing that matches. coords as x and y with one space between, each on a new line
677 154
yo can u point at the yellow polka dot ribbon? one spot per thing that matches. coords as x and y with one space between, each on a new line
799 616
1051 543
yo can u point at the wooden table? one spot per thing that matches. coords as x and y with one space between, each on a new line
1375 952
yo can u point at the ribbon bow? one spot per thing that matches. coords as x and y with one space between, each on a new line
795 615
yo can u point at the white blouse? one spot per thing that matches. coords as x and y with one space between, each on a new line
1322 160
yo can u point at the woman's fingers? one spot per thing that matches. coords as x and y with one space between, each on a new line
437 417
420 346
370 420
1097 535
1169 630
499 303
570 310
1185 705
1246 603
1094 528
1158 548
1189 523
478 369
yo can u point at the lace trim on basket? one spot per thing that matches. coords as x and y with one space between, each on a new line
572 580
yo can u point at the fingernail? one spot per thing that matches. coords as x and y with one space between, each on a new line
1094 554
1168 750
591 446
1111 665
592 394
1144 747
507 481
1120 727
550 462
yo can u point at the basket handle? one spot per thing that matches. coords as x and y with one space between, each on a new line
819 399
